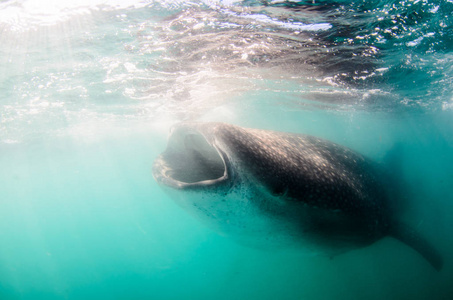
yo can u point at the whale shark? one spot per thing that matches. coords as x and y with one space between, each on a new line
265 187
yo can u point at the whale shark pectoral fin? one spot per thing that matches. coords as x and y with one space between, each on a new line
410 237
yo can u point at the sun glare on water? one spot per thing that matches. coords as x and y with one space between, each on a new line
31 14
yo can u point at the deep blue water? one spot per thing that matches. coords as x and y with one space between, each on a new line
89 90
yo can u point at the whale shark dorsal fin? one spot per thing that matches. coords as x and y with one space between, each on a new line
413 239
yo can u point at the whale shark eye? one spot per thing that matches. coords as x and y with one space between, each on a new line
194 160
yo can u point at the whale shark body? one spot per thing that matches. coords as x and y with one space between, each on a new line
272 188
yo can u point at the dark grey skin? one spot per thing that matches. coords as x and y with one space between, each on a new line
267 187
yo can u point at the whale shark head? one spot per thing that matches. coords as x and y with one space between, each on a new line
201 173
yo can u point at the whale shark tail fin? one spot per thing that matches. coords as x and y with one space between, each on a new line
410 237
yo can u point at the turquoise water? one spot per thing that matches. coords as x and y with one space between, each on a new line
89 90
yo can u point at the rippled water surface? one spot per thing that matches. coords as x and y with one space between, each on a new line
89 90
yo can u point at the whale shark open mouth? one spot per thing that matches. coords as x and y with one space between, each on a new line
190 160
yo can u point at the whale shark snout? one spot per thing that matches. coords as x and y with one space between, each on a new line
261 186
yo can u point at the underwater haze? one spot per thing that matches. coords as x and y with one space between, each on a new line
90 89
